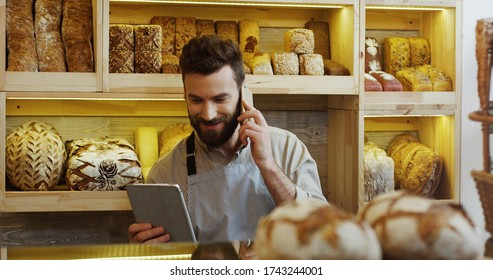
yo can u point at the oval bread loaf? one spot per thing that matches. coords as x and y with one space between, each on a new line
35 156
310 229
413 227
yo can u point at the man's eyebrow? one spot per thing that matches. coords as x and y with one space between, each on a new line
220 95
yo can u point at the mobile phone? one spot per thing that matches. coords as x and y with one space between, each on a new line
246 94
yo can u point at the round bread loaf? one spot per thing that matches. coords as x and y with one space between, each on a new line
171 135
413 227
310 229
35 156
417 168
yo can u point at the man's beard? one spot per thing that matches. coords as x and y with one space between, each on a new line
212 138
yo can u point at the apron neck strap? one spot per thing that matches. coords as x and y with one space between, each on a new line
191 154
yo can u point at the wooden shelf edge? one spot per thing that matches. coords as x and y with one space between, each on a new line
65 201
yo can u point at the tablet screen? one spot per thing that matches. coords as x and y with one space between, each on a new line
162 205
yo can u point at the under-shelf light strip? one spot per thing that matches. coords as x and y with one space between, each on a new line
230 3
404 8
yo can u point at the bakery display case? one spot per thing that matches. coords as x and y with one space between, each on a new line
432 116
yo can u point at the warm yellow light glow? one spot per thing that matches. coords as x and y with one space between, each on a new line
404 8
150 257
404 116
231 3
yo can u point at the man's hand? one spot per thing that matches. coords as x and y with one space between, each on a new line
144 233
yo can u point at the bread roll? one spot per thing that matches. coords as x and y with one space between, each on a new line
373 61
334 68
34 156
440 80
372 84
417 168
285 63
49 46
249 38
412 227
205 27
170 65
397 54
414 80
21 47
321 37
168 33
388 82
171 135
311 230
227 29
311 64
299 40
101 165
260 64
77 35
185 30
420 51
379 172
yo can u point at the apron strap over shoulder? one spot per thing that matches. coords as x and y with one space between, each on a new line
191 154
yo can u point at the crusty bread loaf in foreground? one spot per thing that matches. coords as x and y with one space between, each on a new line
412 227
309 229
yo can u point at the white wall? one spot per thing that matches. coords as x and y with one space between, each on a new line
471 152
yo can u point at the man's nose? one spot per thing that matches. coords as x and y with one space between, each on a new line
209 112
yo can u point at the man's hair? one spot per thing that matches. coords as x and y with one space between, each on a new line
208 54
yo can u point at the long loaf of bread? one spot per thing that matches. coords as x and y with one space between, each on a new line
249 38
49 46
185 30
20 36
77 35
168 29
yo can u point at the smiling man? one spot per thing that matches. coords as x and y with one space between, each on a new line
234 168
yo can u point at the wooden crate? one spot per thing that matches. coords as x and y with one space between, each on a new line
55 81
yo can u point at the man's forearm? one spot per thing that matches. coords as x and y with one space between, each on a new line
280 186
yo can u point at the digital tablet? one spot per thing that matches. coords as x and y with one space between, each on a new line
162 205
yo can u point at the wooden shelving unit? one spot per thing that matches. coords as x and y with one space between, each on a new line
350 112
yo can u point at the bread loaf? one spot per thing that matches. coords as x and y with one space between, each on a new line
334 68
121 48
21 47
185 30
171 135
205 27
397 54
379 172
77 35
414 80
310 229
101 164
171 64
146 148
148 38
440 80
34 156
372 84
373 61
260 64
420 51
321 37
227 29
311 64
285 63
417 168
388 82
49 46
249 38
168 33
412 227
148 61
299 40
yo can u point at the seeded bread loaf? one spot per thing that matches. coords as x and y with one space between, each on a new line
311 64
420 52
440 80
21 47
397 54
171 64
260 64
121 48
227 29
168 33
414 80
205 27
299 40
285 63
185 30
